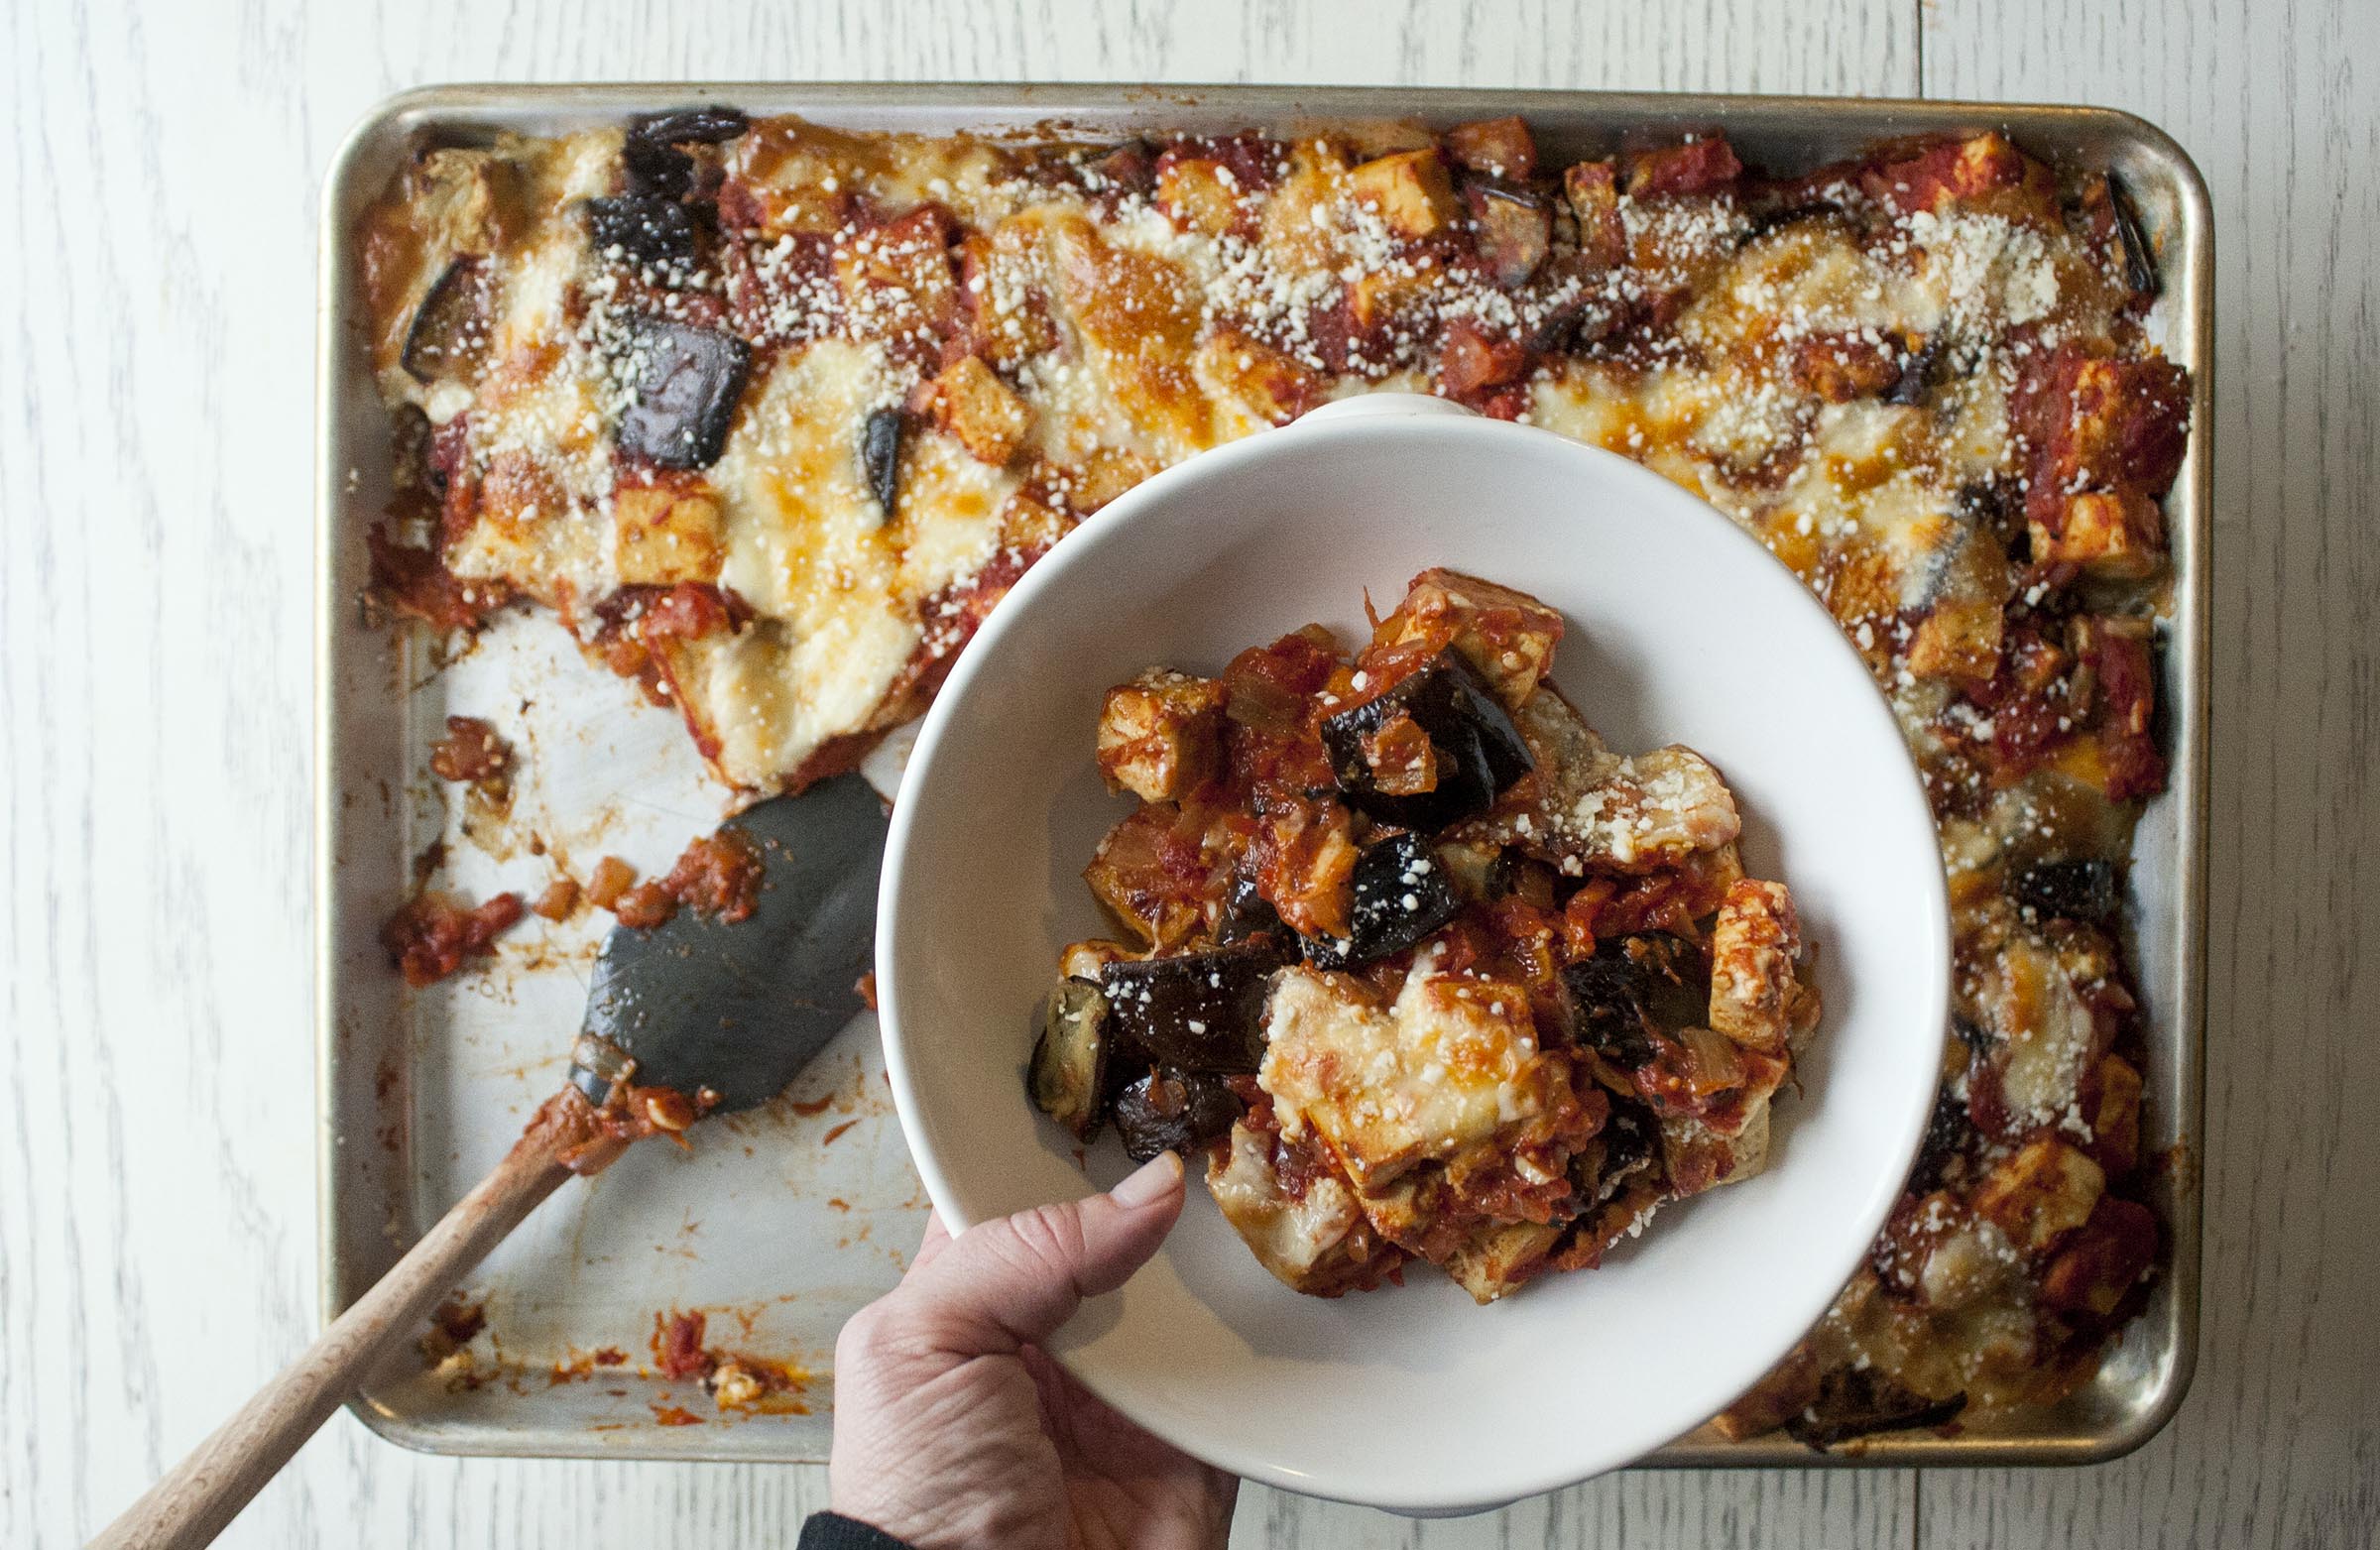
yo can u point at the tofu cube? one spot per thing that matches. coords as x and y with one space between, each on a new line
1501 1259
2104 1260
662 537
1983 172
1379 297
2110 535
1008 308
1593 189
2129 425
2116 1114
900 277
1410 190
1272 386
969 401
1083 960
1508 636
1198 194
2100 424
1755 941
1104 475
2045 1190
1959 639
519 494
1161 734
1499 146
1303 1239
1984 162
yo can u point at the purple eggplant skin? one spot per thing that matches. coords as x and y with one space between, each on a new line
1785 215
1479 751
1631 1138
1513 228
643 227
1403 893
1247 912
1858 1402
448 336
1198 1012
1920 369
2140 260
1947 1131
688 381
1129 168
708 124
1633 989
879 457
1068 1077
655 171
1174 1111
2081 889
650 156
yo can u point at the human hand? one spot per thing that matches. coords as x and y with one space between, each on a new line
952 1426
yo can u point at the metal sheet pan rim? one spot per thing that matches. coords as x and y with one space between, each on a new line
2189 256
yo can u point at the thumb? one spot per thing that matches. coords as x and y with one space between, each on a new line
1001 1285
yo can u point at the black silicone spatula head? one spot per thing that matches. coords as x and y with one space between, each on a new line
738 1008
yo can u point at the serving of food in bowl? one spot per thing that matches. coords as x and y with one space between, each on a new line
1421 966
1319 867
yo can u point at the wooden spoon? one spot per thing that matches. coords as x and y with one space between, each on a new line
695 1006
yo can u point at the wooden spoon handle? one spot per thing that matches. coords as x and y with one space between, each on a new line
199 1495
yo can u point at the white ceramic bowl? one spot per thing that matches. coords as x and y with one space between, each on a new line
1681 628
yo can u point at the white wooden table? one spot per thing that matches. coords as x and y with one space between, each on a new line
157 1192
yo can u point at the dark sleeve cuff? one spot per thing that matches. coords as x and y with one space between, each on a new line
833 1531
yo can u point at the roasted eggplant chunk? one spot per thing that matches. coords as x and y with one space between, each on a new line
1634 988
651 154
1515 230
1855 1401
2140 257
1401 894
1631 1138
1174 1111
688 383
1623 1150
1472 751
1069 1073
1247 912
448 336
2068 890
1947 1132
879 457
1923 368
707 124
1201 1013
643 227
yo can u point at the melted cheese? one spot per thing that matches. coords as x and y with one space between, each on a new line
1585 806
809 549
1136 332
1449 1065
1298 1239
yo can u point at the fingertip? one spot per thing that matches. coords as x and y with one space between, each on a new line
1152 1182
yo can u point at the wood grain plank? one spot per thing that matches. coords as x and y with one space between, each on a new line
2279 1442
156 1240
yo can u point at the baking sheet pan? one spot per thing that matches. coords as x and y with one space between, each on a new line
780 1223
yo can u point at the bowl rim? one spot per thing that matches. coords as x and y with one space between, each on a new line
1425 417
